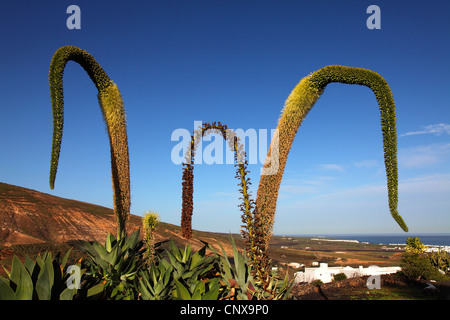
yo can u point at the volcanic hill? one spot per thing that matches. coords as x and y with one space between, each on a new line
29 217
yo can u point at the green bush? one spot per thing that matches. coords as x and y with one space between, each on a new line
339 277
414 245
418 266
317 282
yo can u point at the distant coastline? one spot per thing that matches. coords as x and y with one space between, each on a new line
431 239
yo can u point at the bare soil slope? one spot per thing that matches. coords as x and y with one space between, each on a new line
29 218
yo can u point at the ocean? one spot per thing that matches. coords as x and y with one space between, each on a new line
435 239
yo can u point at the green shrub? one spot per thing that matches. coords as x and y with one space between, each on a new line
339 277
414 245
418 266
317 282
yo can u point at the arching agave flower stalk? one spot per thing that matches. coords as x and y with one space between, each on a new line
296 107
247 204
113 111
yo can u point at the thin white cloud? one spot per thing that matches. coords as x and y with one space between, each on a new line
436 129
423 203
295 189
303 186
437 185
429 186
423 156
332 167
366 164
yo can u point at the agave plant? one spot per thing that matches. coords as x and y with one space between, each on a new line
112 267
156 282
241 284
300 101
180 274
113 111
188 265
43 279
191 272
440 259
199 290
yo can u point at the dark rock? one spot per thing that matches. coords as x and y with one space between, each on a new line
431 290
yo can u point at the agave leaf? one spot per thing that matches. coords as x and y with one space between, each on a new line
186 254
108 244
213 290
39 261
99 250
173 260
67 294
6 292
241 273
29 264
7 272
66 256
167 275
196 296
196 260
51 272
21 277
143 285
165 265
44 283
132 241
240 266
226 266
181 291
113 257
95 289
199 286
174 250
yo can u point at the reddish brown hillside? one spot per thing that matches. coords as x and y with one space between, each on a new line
28 216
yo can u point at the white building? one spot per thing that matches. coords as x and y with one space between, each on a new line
437 249
326 274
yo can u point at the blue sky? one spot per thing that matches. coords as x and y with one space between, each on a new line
176 62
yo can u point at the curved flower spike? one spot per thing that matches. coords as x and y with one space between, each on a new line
188 179
296 107
111 104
